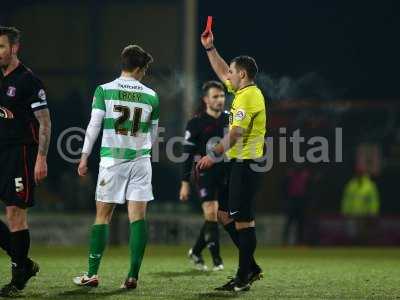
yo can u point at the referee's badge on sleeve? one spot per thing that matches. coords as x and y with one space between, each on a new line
240 115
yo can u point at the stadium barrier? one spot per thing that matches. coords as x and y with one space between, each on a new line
176 229
68 230
361 231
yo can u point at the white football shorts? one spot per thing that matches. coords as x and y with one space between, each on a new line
128 181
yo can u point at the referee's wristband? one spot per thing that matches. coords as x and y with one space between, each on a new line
210 49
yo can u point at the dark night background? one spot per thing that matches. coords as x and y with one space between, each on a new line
352 46
323 65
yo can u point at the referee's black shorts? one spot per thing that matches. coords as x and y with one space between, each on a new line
17 182
244 181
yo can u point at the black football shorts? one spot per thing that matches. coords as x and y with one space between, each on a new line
244 183
17 182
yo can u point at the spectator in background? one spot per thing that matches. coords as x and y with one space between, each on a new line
296 194
360 197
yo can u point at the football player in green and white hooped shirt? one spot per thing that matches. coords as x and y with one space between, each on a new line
128 112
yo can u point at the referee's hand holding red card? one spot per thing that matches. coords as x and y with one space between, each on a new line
207 37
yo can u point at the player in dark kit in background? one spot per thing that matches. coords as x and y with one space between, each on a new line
208 124
24 141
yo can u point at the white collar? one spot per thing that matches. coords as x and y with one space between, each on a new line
127 78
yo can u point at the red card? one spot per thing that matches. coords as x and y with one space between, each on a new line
209 24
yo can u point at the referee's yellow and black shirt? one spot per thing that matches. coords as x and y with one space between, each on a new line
248 111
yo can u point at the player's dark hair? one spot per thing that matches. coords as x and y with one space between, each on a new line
133 56
13 34
204 91
248 64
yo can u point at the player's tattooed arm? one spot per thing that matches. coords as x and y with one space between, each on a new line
43 117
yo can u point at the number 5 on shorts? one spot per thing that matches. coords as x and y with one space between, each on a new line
19 186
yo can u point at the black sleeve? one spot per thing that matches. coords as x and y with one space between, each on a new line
226 119
190 146
35 93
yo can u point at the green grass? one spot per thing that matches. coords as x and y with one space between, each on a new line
321 273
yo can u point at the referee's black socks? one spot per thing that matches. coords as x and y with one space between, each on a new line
5 237
234 234
19 247
247 246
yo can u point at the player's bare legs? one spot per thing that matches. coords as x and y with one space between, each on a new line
210 211
16 218
137 241
244 225
104 212
136 210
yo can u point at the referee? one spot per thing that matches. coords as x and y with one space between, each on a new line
243 145
24 141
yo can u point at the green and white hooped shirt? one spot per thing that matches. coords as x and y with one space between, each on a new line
130 111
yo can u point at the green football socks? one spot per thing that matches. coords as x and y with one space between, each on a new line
137 245
98 241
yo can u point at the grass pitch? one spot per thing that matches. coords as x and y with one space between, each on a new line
290 273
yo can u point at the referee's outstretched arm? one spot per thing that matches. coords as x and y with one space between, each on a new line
218 64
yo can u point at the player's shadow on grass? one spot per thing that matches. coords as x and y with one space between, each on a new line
215 295
88 295
168 274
